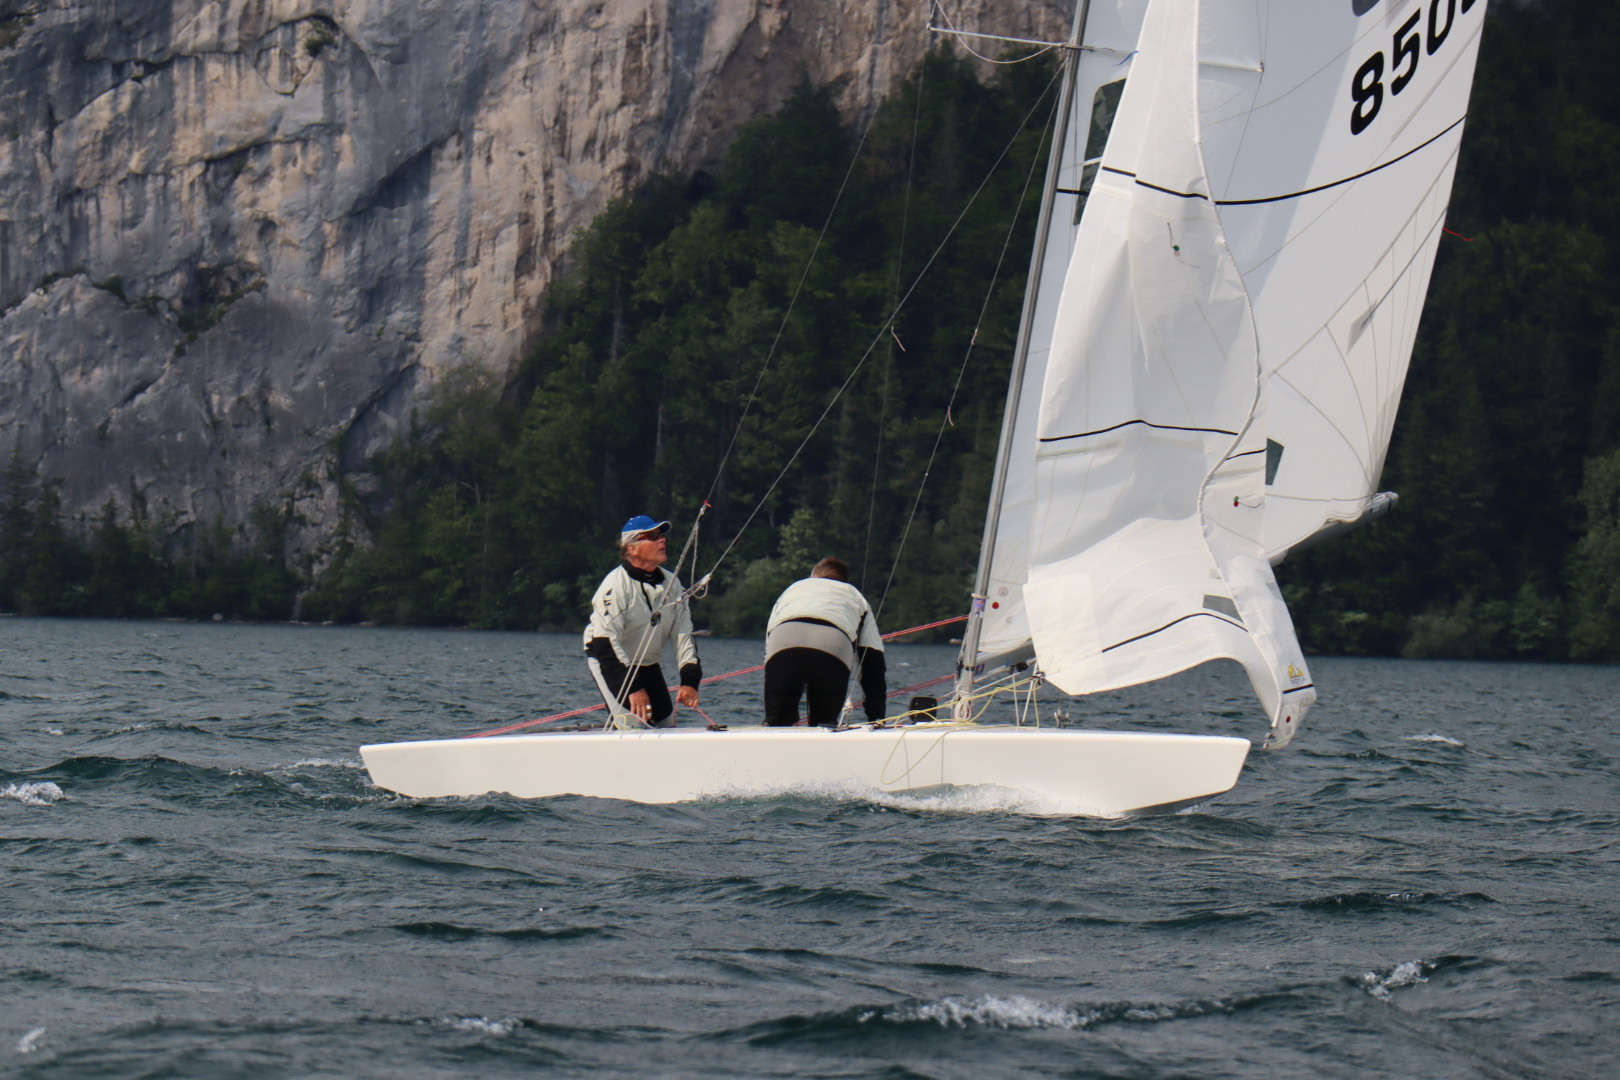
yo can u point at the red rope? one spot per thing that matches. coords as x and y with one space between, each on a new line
926 626
715 678
922 685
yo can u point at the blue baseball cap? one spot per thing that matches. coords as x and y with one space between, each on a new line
639 524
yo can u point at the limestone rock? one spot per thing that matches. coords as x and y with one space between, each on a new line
239 237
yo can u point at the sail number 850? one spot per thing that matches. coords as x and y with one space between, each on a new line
1367 88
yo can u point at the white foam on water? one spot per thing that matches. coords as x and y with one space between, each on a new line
962 799
984 799
328 763
1014 1012
1433 737
1406 973
1018 1012
30 1042
483 1025
40 793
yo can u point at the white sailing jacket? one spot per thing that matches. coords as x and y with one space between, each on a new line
623 610
833 601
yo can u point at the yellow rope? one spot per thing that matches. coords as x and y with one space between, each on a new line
945 728
1009 688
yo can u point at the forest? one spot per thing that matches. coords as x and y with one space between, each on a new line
808 346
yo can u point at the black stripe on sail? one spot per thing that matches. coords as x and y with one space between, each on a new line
1312 191
1168 625
1155 187
1144 423
1296 194
1297 689
1169 191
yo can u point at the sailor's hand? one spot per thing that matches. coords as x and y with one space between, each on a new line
687 695
641 705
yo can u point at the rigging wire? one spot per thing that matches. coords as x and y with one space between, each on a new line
700 586
882 332
787 314
961 371
951 27
888 365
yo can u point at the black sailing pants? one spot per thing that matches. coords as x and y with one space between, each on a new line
793 672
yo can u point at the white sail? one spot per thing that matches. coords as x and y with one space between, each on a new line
1219 378
1335 230
1108 31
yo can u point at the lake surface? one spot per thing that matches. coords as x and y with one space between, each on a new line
198 880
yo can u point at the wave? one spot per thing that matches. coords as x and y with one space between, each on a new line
1434 737
176 781
1382 984
483 1025
210 727
328 763
479 810
441 931
1371 900
998 1012
1018 1012
40 793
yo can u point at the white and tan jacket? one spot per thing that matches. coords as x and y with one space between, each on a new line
631 615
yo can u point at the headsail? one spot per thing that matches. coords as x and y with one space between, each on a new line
1220 375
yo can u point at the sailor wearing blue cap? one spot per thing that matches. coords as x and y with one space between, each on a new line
638 610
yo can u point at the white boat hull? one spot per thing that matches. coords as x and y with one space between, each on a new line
1095 773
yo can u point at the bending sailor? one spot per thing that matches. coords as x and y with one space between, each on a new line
638 610
820 631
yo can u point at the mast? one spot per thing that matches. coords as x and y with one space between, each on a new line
966 660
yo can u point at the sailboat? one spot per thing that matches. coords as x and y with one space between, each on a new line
1242 207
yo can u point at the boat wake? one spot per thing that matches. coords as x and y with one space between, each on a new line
938 799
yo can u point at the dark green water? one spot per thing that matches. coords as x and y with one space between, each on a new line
198 880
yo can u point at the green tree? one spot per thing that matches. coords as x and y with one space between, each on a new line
1595 576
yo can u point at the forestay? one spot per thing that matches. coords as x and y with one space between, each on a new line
1215 352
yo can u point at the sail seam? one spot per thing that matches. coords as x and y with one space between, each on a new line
1144 423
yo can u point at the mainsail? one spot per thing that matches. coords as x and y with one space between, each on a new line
1214 347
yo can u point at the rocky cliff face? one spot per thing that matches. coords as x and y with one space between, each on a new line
239 237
